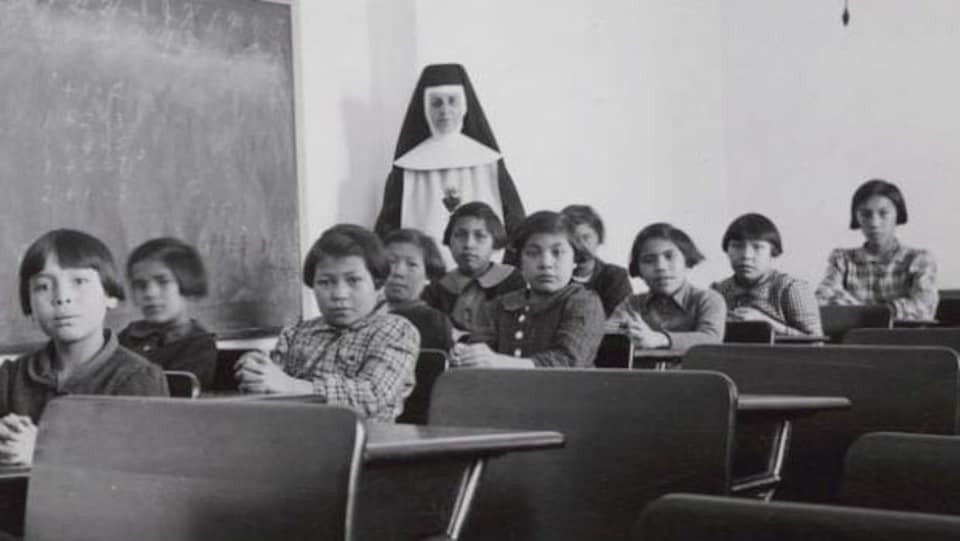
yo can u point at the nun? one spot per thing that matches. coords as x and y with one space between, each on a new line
446 156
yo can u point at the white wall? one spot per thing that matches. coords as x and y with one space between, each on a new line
691 112
813 109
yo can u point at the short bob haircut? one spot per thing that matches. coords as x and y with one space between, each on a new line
585 215
480 211
73 250
178 256
665 231
880 187
432 260
753 226
343 240
550 223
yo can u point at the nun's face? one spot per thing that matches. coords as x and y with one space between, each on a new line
445 106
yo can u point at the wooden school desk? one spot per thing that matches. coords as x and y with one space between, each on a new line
397 444
891 388
779 410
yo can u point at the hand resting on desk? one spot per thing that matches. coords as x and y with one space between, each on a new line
749 313
18 436
481 356
258 374
640 333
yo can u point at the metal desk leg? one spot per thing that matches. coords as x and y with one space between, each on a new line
765 484
778 455
468 489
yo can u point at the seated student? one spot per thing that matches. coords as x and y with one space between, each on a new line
164 274
473 233
414 259
609 281
758 292
355 354
552 322
673 314
882 271
68 281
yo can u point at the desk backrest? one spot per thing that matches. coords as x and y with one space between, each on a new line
908 389
430 364
615 351
945 337
182 384
948 312
630 436
689 517
907 472
223 378
948 309
837 320
169 469
748 332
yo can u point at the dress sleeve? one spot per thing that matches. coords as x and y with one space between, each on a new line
613 287
577 336
386 377
800 310
281 351
832 289
446 328
390 210
147 381
197 354
711 320
485 325
513 212
431 296
920 301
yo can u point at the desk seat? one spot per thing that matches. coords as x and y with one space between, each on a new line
688 517
907 472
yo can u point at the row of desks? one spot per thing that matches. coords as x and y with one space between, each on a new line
396 444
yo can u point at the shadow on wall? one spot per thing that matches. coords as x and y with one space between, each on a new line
371 125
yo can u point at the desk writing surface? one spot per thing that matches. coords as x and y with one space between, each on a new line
800 339
393 442
135 119
639 353
787 404
397 442
14 472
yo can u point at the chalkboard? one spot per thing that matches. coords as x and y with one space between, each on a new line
132 119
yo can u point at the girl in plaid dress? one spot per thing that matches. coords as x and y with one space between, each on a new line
356 353
881 271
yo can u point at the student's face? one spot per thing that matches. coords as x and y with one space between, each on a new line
588 237
662 266
156 292
546 262
751 259
69 304
408 274
471 245
344 289
445 106
877 217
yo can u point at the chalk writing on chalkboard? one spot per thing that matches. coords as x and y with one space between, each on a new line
132 119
